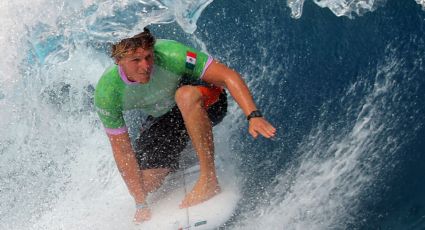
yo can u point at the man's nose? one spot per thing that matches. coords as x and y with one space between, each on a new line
145 64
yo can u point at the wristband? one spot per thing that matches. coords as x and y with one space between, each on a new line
255 113
141 206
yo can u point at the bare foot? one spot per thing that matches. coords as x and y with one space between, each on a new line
141 215
203 190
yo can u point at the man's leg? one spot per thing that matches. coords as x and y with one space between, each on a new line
152 178
157 149
151 181
198 126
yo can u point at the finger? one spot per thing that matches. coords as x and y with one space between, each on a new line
266 134
253 133
261 126
270 132
268 128
264 128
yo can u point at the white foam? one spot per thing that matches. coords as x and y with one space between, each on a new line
348 8
422 3
57 167
337 166
296 7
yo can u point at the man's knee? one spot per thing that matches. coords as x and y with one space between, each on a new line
188 97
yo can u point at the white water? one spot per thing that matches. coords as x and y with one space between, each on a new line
422 3
57 170
338 166
348 8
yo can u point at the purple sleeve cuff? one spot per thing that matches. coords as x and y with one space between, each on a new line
116 131
210 59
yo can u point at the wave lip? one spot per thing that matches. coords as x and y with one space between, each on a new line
349 7
340 8
187 12
422 3
296 7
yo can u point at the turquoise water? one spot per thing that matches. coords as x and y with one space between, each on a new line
343 81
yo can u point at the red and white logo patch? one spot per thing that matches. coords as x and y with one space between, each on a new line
190 60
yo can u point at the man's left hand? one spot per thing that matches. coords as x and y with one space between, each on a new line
259 125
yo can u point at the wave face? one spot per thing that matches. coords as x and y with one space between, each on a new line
347 95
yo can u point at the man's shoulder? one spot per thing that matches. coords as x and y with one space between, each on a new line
179 58
161 44
168 49
111 71
109 78
109 86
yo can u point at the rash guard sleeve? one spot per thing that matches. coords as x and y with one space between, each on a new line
108 102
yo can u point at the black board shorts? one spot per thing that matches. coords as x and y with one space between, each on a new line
162 139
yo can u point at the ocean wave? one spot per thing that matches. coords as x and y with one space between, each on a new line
296 7
348 8
422 3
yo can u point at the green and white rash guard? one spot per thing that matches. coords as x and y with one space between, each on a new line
116 94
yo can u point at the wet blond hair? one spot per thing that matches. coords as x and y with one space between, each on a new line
143 40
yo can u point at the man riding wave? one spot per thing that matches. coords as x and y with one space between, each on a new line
183 92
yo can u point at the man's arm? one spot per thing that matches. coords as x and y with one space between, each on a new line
220 74
127 165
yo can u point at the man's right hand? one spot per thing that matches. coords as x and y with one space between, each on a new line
142 214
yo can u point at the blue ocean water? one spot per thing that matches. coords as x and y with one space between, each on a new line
345 88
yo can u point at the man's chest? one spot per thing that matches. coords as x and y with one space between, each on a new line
160 89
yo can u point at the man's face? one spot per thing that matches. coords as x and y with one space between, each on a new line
138 65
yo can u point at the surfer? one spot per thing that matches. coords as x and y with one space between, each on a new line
182 91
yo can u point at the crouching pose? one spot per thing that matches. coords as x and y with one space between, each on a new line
149 75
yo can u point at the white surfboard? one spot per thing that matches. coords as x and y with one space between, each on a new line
210 214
